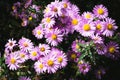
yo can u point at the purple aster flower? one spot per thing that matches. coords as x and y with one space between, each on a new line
100 26
37 8
61 57
100 72
74 56
44 49
51 63
97 39
24 78
34 53
87 28
48 21
74 10
13 60
101 49
38 32
54 37
23 55
75 22
88 16
53 9
10 44
112 50
110 27
100 11
84 67
65 4
40 67
25 44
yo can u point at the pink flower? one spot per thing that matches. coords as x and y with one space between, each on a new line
110 27
13 60
54 37
87 28
44 49
10 44
25 44
40 67
100 11
38 32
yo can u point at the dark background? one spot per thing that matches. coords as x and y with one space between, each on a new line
9 25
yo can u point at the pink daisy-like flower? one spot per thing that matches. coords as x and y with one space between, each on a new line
13 61
38 32
101 49
84 67
97 39
100 72
74 56
65 4
75 22
87 28
10 44
24 78
25 44
23 55
100 11
48 21
100 26
53 9
110 27
51 63
88 16
61 57
75 45
112 50
40 67
34 53
44 49
54 37
74 9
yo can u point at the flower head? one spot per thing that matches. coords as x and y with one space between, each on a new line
54 37
100 11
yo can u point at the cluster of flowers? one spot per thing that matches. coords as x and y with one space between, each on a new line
62 18
26 11
46 59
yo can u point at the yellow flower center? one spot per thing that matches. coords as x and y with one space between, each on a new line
99 72
73 56
60 59
74 22
25 44
48 20
22 55
86 27
100 11
112 49
38 32
65 5
47 10
30 18
50 63
98 27
109 26
54 36
41 66
12 61
34 53
55 9
88 16
42 49
77 46
13 7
